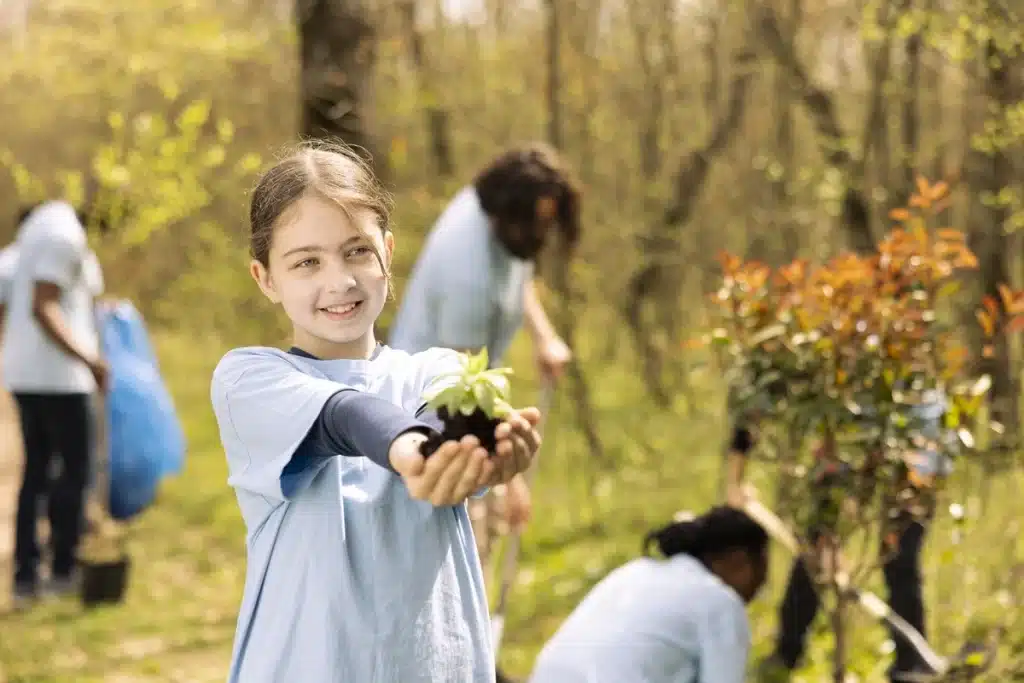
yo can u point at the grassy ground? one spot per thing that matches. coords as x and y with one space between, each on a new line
178 621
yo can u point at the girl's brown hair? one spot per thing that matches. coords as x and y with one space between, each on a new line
329 169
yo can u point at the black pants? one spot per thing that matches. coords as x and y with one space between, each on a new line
52 426
903 581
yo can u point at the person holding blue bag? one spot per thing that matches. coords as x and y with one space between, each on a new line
52 365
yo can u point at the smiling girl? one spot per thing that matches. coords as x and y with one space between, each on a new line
361 562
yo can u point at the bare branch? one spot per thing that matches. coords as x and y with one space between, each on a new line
856 216
660 245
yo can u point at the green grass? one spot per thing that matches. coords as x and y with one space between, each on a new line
178 620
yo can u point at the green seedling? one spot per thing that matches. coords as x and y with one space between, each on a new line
470 401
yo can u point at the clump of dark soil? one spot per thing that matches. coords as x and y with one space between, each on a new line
457 426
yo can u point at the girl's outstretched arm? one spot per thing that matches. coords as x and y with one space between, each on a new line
279 425
356 424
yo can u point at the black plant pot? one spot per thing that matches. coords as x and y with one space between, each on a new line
104 582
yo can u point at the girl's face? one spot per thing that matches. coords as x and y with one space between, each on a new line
323 270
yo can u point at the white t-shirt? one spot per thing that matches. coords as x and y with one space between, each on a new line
8 264
53 248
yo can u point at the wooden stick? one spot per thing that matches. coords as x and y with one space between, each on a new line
510 558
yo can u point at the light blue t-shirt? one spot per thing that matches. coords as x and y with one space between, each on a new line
651 621
929 459
348 580
466 289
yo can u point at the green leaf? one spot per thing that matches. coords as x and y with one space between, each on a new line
497 383
452 404
472 387
194 116
501 409
468 405
951 420
485 397
965 437
479 362
214 157
440 387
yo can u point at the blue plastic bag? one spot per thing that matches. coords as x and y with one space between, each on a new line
145 441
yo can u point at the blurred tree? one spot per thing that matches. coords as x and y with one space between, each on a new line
337 56
992 181
437 118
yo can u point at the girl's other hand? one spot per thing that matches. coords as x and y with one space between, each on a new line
456 470
518 442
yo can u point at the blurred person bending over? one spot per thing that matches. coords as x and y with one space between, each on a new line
677 619
473 286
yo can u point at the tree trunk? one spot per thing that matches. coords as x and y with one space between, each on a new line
565 321
785 147
337 52
1002 93
909 123
712 49
554 83
652 282
820 105
437 119
653 78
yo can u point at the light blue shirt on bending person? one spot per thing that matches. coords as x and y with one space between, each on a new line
349 579
466 289
652 621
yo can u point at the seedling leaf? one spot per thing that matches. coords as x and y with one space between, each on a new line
474 386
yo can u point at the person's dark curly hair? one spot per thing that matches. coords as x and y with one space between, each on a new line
511 190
